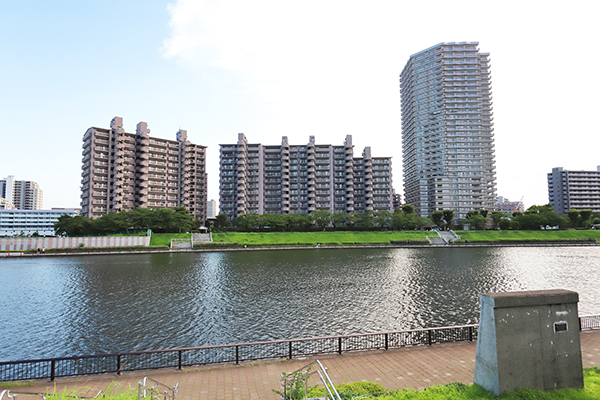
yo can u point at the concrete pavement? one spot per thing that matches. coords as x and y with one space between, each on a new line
410 367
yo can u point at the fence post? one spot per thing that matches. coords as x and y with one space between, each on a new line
386 341
237 354
340 345
118 364
429 337
470 334
290 350
52 369
179 359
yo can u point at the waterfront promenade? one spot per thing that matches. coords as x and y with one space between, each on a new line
410 367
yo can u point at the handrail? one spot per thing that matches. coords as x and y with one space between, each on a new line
289 381
235 353
168 393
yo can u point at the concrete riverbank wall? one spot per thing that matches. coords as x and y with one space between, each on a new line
28 243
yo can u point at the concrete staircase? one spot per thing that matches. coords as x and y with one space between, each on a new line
443 239
201 237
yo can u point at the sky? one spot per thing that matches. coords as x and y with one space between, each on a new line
326 68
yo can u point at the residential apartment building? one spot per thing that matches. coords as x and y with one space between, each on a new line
284 179
579 190
23 195
447 130
211 209
29 222
122 171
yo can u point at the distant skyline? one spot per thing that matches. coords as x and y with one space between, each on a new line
271 69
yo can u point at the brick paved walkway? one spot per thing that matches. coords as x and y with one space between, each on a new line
410 367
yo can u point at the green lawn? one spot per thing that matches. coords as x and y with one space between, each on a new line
164 239
355 237
496 236
313 238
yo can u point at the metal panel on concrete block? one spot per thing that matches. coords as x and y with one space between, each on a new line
529 340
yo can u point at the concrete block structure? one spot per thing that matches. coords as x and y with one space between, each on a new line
529 340
447 130
284 179
121 171
23 195
577 190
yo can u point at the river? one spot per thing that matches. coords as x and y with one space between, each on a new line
63 306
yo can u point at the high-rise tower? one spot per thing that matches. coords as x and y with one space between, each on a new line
447 130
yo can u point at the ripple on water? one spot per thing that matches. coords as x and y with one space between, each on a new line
79 305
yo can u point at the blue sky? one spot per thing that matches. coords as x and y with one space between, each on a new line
275 68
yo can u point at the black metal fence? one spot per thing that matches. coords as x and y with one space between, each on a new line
52 368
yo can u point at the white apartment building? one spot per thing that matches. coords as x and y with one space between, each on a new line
211 209
578 190
447 130
28 222
123 171
284 179
23 195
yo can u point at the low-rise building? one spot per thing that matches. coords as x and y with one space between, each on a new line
285 179
30 222
574 190
507 206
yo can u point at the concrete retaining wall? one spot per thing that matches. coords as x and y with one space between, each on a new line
12 244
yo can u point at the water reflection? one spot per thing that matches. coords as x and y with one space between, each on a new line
78 305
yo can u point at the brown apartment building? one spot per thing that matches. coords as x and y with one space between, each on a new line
122 171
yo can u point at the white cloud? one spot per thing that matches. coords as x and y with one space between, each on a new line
330 68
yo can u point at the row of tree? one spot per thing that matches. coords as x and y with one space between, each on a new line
534 218
179 220
159 220
402 219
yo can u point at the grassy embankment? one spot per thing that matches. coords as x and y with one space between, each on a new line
348 238
528 236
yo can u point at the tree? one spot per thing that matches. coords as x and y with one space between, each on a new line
476 220
383 218
438 218
449 218
222 221
183 221
408 209
320 218
76 225
366 219
497 216
141 218
585 216
573 216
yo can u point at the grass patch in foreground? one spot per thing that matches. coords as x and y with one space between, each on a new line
460 391
312 238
